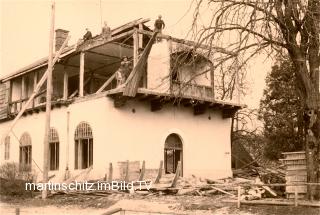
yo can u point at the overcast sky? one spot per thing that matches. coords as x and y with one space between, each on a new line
25 28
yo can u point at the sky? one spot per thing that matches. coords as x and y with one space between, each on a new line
25 29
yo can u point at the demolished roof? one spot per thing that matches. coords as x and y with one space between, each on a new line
73 48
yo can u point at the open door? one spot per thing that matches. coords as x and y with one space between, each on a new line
173 152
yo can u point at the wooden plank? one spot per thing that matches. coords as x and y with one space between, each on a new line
143 170
129 25
157 181
65 85
126 178
135 76
135 47
140 37
81 73
177 175
106 83
110 172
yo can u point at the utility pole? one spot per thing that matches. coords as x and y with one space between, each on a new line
48 105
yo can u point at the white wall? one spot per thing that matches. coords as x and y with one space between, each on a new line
119 135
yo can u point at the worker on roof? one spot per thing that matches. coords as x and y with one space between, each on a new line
123 72
106 31
87 35
159 24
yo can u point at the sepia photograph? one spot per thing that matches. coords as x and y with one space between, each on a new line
160 107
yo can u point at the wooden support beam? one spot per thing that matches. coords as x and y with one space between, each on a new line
110 172
126 178
135 47
177 175
81 73
76 91
65 85
106 83
199 109
119 101
156 105
228 113
140 36
157 181
104 55
189 43
23 87
143 170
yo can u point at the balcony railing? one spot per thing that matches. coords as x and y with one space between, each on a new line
192 90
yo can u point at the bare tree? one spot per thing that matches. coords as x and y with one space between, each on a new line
246 28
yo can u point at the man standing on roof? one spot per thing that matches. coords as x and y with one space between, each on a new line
159 24
87 36
106 31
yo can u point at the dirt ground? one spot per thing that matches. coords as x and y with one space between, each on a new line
136 204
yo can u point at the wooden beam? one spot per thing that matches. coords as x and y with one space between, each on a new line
110 172
76 91
126 178
119 101
129 25
106 83
228 113
140 36
199 109
156 105
177 175
97 43
65 84
188 42
81 73
157 181
143 170
23 87
104 55
135 47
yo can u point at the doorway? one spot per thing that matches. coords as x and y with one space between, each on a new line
173 153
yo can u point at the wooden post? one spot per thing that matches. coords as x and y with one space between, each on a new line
81 77
176 176
140 36
17 211
110 172
48 105
143 170
35 81
126 178
135 47
65 85
295 196
239 197
159 173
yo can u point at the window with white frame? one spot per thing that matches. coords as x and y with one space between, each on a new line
83 146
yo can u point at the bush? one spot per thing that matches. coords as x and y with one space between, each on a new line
13 179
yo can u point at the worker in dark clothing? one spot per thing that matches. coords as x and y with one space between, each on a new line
159 24
87 36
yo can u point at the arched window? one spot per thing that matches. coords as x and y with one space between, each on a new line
25 156
7 148
54 149
83 146
172 153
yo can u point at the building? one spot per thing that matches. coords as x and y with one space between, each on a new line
166 110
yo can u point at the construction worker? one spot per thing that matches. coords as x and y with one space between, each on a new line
159 24
106 31
87 36
123 71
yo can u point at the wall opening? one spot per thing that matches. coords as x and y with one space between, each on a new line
173 152
25 155
54 149
83 146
